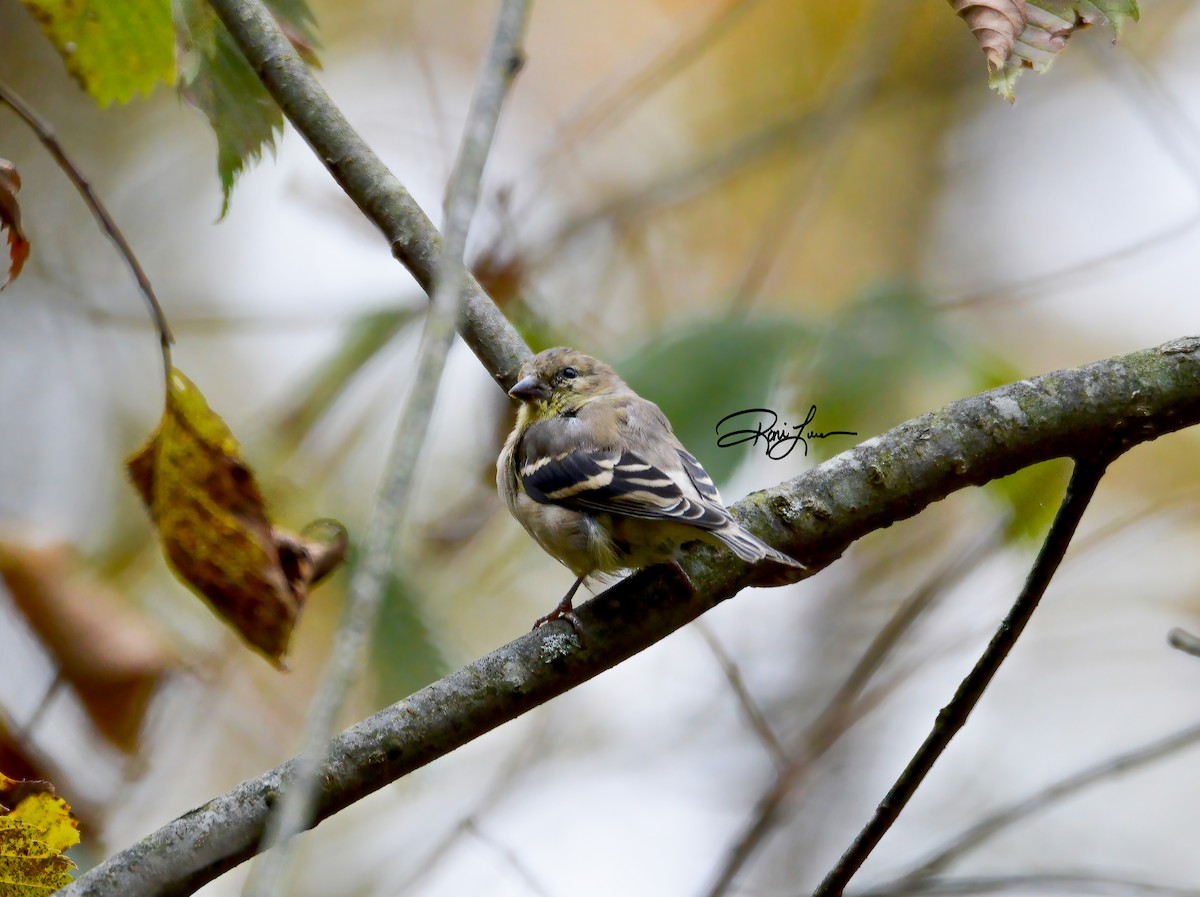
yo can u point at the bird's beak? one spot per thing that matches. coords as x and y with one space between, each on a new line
529 389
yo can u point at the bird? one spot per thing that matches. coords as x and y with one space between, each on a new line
597 477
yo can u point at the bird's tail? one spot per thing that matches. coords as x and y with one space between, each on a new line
750 548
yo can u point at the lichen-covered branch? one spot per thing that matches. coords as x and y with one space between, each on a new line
1108 406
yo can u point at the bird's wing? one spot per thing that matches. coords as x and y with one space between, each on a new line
699 477
559 467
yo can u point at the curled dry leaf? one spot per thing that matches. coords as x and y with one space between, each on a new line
1017 34
996 24
213 524
10 221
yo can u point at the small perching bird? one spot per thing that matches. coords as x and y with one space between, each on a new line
595 474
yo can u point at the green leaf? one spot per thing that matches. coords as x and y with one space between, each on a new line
404 655
215 79
710 370
113 48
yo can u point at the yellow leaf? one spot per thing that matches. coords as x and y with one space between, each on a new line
32 839
51 818
214 528
28 866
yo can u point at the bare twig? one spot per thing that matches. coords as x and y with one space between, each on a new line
1084 480
504 780
1184 641
1047 797
46 135
1069 882
847 705
368 583
754 714
509 856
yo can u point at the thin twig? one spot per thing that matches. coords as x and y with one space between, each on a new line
754 715
504 780
508 855
1058 791
845 707
368 583
1070 882
46 135
1184 641
1084 480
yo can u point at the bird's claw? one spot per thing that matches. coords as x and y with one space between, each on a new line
563 612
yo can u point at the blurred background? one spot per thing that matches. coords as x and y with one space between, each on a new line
739 204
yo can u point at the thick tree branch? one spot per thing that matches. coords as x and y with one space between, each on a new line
1109 405
366 180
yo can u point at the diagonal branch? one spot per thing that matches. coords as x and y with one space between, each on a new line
1006 817
1115 403
377 192
368 581
1051 882
1084 480
843 710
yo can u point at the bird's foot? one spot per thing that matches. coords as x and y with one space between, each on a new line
564 611
681 574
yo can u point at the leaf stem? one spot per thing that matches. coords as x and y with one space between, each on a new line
46 135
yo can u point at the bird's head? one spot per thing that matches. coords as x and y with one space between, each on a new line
561 381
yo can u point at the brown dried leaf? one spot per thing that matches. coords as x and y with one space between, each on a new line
1020 34
10 221
214 528
108 653
996 24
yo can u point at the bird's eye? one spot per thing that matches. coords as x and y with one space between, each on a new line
569 373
